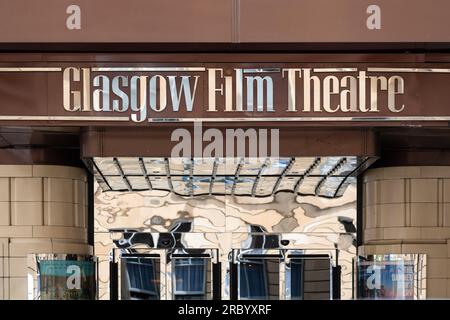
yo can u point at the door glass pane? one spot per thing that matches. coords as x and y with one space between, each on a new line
191 278
310 279
259 279
297 276
140 278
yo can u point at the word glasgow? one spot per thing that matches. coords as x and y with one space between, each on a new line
242 90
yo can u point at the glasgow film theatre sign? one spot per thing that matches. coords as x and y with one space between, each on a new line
158 90
211 92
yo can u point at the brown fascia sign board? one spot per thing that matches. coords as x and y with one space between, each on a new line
224 21
151 95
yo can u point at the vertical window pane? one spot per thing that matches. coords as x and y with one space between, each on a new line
310 279
190 278
259 279
140 278
296 280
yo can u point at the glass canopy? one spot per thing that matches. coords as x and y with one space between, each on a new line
258 177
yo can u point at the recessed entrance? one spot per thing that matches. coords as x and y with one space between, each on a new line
228 228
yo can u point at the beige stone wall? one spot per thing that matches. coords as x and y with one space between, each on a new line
43 209
407 210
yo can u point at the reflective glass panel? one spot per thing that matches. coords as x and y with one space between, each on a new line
140 278
391 276
309 279
259 279
190 278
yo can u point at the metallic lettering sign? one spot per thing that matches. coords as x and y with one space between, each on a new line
147 91
227 92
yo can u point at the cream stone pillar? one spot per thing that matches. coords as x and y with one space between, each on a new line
407 210
43 209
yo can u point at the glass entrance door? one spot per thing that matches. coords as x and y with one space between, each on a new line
309 278
140 277
258 277
169 275
191 278
279 274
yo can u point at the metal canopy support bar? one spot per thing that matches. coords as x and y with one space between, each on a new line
307 172
99 175
122 174
288 167
213 175
190 183
255 184
329 173
144 172
236 175
359 169
169 179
